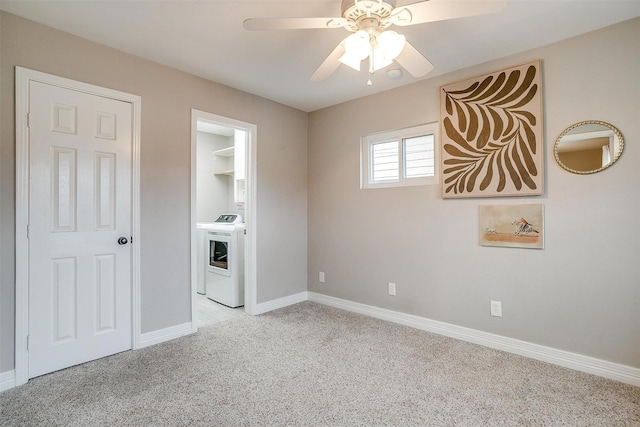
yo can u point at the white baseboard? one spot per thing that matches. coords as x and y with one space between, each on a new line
281 302
591 365
7 380
167 334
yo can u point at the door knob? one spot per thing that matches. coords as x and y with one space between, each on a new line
123 241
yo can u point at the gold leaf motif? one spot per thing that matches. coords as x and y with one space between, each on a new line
491 127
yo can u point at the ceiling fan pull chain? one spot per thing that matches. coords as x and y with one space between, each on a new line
370 67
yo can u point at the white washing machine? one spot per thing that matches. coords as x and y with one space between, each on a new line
202 257
224 269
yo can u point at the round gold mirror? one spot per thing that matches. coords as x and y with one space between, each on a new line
588 147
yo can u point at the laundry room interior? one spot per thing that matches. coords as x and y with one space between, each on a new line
220 208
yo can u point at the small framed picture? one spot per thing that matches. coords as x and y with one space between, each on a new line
514 226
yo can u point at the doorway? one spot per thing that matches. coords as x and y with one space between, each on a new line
223 165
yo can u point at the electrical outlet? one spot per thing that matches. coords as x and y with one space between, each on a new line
321 277
392 289
496 308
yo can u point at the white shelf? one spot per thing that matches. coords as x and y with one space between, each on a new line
225 152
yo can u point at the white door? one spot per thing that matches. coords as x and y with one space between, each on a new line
80 156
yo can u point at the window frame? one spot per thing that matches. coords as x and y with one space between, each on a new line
398 135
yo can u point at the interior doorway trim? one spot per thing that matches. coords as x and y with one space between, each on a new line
250 289
23 77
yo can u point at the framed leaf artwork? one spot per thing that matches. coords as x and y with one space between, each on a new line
492 134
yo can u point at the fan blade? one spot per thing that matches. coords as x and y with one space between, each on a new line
329 65
441 10
260 24
413 61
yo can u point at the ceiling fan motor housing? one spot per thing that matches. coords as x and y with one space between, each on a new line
363 12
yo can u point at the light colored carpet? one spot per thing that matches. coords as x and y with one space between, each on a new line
312 365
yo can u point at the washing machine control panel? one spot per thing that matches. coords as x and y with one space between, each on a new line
229 219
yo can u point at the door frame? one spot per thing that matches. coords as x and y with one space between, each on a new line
23 77
250 287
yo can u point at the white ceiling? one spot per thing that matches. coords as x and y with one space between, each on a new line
206 38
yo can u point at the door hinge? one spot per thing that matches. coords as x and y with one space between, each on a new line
28 120
27 231
27 342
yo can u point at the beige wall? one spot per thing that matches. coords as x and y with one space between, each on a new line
168 95
580 294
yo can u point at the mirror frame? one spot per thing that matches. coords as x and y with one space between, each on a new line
588 122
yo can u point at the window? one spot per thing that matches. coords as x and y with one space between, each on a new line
399 158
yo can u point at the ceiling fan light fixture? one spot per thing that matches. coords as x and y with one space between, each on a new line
381 49
358 44
391 44
350 61
378 60
356 48
384 49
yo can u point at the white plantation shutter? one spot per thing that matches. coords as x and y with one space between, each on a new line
418 156
385 158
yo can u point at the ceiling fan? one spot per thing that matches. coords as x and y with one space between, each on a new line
369 22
